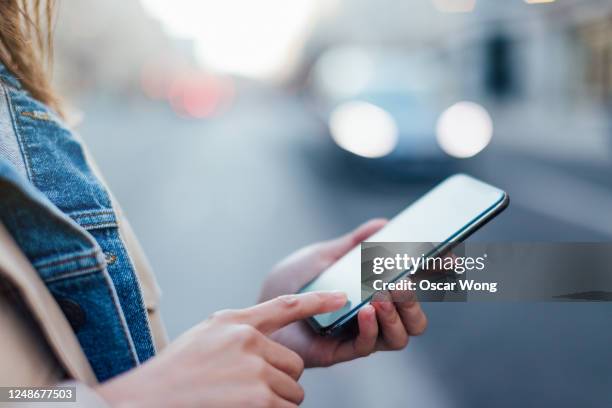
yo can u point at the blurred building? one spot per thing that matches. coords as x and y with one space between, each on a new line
542 69
103 46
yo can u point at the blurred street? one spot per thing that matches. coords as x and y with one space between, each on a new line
216 203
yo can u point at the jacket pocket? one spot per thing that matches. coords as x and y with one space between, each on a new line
102 225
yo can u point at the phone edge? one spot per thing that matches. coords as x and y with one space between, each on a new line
491 213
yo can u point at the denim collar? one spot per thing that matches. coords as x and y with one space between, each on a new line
7 77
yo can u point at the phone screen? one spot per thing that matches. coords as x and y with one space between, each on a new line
442 215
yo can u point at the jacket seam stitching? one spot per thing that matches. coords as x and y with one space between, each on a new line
98 225
136 279
73 274
24 154
9 80
123 322
91 213
67 260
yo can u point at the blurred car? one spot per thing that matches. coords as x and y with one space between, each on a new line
386 108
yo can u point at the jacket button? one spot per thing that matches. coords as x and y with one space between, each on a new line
73 312
110 258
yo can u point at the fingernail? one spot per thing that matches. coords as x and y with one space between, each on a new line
339 297
371 310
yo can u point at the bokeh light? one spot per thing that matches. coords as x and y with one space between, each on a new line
464 129
256 39
363 129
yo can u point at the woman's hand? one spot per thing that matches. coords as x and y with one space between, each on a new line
383 325
226 361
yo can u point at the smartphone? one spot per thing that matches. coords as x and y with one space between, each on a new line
447 214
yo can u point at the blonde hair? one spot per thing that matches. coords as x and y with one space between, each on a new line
26 45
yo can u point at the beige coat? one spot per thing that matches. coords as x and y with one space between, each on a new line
37 344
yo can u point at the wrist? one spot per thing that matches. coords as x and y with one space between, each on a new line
117 394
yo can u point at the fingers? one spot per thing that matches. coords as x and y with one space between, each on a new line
391 325
283 359
365 342
284 386
368 331
270 316
345 243
410 312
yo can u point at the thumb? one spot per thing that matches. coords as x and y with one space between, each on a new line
340 246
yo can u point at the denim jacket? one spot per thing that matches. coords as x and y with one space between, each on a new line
62 218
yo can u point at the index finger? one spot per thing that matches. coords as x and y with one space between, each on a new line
270 316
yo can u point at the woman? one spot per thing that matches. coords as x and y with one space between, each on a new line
78 302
